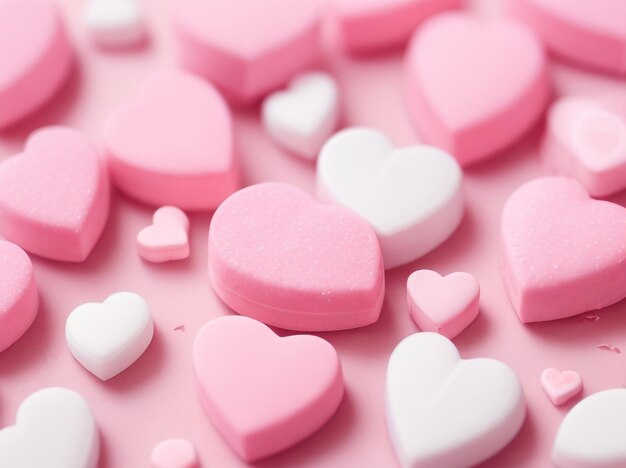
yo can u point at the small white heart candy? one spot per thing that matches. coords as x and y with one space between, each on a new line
304 116
114 23
106 338
411 196
444 411
54 429
593 434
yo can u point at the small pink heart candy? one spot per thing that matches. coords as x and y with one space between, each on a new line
560 386
167 238
174 144
264 393
54 197
35 56
443 304
174 453
19 299
277 255
475 86
563 253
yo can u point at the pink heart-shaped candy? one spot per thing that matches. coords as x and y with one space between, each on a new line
174 144
167 238
54 197
561 386
443 304
174 453
563 253
277 255
475 86
264 393
35 56
19 299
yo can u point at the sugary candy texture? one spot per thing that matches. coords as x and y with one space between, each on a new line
277 255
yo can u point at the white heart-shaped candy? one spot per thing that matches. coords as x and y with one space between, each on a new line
54 429
114 23
106 338
593 434
444 411
304 116
411 196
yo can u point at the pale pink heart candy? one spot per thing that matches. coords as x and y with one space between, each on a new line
35 56
591 33
277 255
174 144
54 197
563 253
247 47
167 238
373 25
560 386
174 453
586 140
443 304
19 299
264 393
475 86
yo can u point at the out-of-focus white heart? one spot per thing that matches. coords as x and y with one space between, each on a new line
114 23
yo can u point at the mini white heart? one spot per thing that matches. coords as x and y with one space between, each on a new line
443 411
304 116
114 23
593 434
107 338
54 429
411 196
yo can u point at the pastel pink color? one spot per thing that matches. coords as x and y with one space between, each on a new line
560 386
35 56
174 453
443 304
19 299
247 47
278 256
590 33
54 197
373 25
563 253
166 238
475 86
586 139
264 393
174 144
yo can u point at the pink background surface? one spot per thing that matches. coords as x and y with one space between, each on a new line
155 398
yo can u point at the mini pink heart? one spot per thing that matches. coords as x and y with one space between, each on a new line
54 197
443 304
264 393
174 453
586 140
475 86
167 238
277 255
563 253
19 299
35 56
174 144
561 386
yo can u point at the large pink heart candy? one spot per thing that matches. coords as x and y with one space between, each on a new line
277 255
35 56
19 299
264 393
475 86
563 253
247 47
174 144
591 33
54 197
